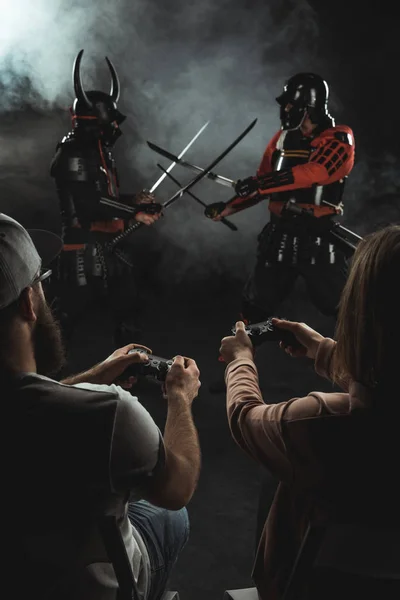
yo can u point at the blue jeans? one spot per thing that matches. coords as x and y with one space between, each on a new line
165 534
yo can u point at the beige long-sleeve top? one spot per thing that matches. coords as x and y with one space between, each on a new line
331 452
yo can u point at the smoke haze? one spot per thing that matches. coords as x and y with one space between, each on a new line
180 64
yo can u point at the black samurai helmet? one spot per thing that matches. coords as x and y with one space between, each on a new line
305 93
97 111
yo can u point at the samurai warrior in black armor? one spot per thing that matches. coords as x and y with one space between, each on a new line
302 174
95 215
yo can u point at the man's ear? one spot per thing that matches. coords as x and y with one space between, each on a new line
28 303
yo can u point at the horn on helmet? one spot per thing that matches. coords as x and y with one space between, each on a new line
76 77
115 87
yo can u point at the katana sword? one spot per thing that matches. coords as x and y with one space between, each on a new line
184 163
176 159
224 221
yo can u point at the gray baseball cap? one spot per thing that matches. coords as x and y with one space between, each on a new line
22 255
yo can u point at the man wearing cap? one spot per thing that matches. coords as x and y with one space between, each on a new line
82 449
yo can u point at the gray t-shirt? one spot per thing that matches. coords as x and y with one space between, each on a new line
80 452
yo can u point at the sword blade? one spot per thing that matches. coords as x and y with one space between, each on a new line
348 231
129 210
184 163
157 183
207 170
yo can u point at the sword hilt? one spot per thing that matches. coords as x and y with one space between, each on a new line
229 224
119 238
152 209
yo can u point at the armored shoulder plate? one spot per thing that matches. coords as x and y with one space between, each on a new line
70 162
342 136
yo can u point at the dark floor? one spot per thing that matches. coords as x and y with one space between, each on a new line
223 510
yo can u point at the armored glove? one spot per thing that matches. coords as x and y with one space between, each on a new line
245 187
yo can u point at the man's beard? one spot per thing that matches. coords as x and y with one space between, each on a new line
47 342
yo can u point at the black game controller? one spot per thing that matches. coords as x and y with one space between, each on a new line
265 331
156 368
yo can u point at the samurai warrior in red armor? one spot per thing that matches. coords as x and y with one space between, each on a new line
304 166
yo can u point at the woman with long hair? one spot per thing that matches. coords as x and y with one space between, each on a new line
335 455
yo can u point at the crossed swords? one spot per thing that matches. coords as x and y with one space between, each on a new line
201 173
178 160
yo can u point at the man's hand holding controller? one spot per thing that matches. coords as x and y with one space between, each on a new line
180 376
115 368
182 380
175 484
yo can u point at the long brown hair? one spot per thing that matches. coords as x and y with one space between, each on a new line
368 325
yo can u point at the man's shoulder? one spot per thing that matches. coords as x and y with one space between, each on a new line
70 426
115 391
56 394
